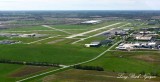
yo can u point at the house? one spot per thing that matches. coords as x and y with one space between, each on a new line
93 44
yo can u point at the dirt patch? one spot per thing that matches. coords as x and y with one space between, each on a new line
89 76
78 76
150 58
28 70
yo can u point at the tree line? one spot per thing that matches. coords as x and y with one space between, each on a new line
29 63
97 68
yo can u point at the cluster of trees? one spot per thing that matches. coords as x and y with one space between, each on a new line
29 63
97 68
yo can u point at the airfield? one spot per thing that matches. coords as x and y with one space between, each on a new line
64 45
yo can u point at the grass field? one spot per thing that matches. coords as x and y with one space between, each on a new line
27 28
5 70
127 62
62 54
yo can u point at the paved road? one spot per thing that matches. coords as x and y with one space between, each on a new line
56 29
99 33
81 34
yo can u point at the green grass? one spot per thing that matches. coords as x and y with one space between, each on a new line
80 26
26 40
112 61
63 54
29 28
5 70
3 38
72 26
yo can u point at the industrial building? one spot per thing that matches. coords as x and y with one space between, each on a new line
99 43
94 44
91 22
138 45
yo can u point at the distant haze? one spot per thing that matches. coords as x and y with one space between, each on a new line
79 4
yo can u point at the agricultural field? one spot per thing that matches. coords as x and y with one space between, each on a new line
73 75
13 72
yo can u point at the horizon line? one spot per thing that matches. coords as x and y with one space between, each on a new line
81 10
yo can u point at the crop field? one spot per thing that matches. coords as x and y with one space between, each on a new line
27 71
12 72
89 76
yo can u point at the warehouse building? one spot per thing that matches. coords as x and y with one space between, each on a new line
91 22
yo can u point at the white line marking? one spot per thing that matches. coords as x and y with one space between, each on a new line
56 29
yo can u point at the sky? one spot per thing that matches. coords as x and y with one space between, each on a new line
79 4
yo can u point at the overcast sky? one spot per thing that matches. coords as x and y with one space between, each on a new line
79 4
